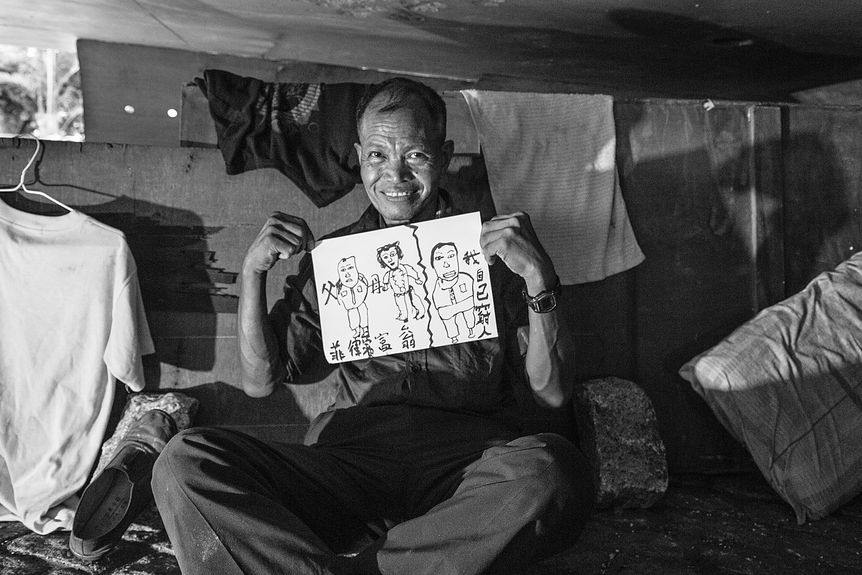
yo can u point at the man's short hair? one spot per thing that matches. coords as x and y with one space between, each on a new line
400 92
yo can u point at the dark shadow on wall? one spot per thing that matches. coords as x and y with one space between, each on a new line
821 206
692 215
467 183
183 293
176 270
180 285
687 176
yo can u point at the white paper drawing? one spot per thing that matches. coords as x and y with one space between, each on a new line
403 288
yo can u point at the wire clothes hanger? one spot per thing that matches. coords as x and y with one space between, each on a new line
23 187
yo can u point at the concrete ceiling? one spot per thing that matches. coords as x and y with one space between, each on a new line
744 49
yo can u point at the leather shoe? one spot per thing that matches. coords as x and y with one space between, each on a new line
112 500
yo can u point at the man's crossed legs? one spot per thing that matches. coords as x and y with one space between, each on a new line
411 490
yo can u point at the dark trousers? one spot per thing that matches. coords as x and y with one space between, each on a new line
414 490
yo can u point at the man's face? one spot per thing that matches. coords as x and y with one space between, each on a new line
445 262
401 161
390 258
347 271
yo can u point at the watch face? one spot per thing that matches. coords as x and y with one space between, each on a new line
544 303
549 303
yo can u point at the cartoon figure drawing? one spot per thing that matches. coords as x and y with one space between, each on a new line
453 291
351 290
398 277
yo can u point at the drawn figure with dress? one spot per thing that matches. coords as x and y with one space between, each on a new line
351 290
398 277
453 291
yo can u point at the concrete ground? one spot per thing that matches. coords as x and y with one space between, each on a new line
724 524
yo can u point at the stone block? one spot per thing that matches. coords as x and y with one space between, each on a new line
618 431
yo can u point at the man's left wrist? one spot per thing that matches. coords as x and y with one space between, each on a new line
544 300
541 281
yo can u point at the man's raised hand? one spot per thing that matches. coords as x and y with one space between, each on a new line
280 237
512 239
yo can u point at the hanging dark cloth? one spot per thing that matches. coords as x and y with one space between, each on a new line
306 131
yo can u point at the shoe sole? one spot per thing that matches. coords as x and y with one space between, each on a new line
114 497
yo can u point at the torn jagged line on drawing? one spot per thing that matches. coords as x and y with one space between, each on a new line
415 228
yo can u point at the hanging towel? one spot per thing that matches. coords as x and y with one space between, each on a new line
553 157
306 131
72 322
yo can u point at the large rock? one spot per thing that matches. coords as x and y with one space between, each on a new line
618 432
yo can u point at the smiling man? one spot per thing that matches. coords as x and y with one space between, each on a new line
419 466
403 153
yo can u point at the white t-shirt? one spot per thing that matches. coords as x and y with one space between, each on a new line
71 320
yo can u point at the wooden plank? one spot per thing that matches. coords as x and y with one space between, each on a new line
603 321
196 365
769 201
197 352
223 404
161 190
198 130
187 362
687 173
151 80
459 124
823 190
188 223
193 325
603 317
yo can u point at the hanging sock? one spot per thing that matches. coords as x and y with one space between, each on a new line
553 157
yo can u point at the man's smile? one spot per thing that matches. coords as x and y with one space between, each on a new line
399 193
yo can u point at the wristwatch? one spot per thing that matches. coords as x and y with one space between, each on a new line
544 301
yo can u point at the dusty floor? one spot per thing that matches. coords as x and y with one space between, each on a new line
704 524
